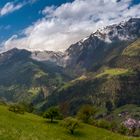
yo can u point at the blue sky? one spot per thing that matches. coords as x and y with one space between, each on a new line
136 1
55 24
16 21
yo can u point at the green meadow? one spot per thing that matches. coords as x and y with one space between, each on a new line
32 127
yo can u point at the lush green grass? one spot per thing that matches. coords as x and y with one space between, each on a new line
133 49
40 74
31 127
114 72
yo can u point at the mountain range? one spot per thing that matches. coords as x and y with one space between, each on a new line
99 69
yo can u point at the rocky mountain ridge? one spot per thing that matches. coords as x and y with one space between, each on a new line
94 47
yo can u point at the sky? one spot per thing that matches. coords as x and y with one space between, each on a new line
54 25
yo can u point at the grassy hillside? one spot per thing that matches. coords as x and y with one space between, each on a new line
133 49
113 72
129 58
30 127
119 86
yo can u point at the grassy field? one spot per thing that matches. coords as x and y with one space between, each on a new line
133 49
31 127
114 72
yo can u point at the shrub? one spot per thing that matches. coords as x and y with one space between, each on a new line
52 113
86 113
71 124
132 125
137 132
106 124
113 126
103 124
123 130
16 109
27 107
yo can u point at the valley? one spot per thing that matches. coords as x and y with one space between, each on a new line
101 71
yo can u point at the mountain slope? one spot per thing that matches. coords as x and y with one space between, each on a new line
102 46
117 81
133 49
24 79
36 76
129 58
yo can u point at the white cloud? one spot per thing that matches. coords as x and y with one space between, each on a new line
70 22
10 7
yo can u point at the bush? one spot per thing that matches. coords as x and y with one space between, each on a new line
16 109
106 124
103 124
86 113
71 124
113 126
27 107
52 113
123 130
137 132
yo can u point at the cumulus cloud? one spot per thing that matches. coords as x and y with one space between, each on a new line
64 25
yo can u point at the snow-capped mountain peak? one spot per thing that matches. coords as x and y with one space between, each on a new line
93 44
